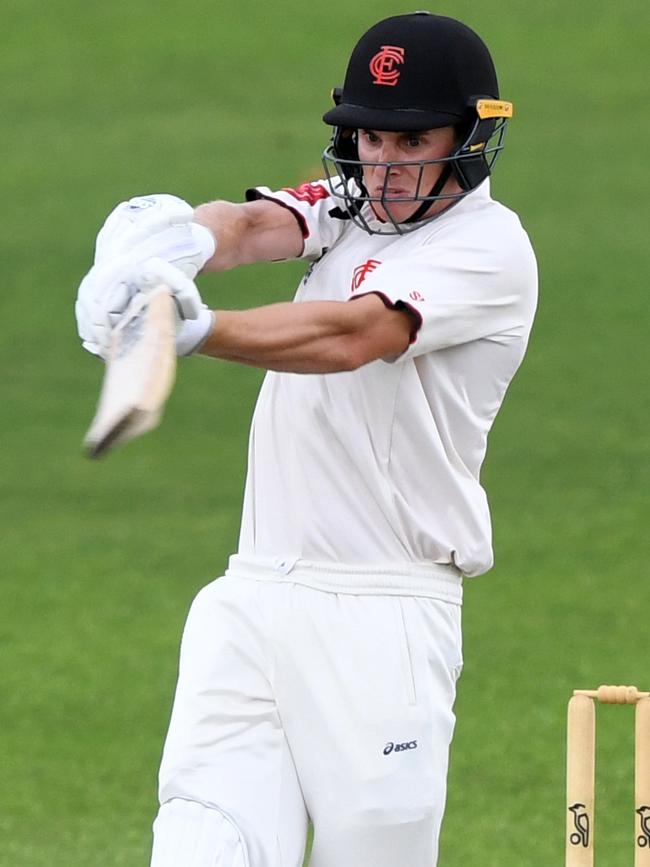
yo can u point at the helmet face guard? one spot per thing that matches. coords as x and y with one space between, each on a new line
413 73
469 164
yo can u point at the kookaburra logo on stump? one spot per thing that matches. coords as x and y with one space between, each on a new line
643 840
580 836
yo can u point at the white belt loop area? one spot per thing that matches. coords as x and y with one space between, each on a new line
434 580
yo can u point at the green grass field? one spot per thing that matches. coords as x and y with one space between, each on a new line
100 561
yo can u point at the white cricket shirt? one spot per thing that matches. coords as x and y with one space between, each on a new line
381 465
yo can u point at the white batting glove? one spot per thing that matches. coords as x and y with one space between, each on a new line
108 289
157 227
193 333
153 272
160 226
195 320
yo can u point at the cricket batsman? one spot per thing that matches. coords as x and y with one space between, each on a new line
318 675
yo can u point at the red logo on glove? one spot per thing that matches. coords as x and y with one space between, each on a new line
382 65
416 296
310 193
361 272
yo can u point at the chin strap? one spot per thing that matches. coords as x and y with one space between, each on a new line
445 174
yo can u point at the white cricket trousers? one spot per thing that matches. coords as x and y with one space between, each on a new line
296 701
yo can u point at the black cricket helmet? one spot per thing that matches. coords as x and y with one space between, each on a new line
411 73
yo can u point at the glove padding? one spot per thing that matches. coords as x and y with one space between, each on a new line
160 226
107 290
143 230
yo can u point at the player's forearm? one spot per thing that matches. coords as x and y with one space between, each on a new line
229 224
249 232
309 337
302 338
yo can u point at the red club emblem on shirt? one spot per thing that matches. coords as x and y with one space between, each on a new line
361 272
383 65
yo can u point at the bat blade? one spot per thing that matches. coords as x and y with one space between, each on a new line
139 376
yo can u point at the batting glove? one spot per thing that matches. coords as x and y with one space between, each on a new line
107 290
157 227
160 226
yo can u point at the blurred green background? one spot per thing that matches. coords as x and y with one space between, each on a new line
99 562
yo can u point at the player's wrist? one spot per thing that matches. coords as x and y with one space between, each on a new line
206 244
193 333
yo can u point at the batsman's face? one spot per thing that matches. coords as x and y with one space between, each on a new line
405 178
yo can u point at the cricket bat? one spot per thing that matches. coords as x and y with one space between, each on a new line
140 373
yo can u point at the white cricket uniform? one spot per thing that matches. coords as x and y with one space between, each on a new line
318 676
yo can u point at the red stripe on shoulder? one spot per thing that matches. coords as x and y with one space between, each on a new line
310 192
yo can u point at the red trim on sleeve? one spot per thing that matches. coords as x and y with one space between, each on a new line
396 305
254 195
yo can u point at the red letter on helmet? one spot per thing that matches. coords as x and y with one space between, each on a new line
382 65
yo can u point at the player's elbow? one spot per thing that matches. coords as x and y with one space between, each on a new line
375 331
364 331
353 355
355 350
